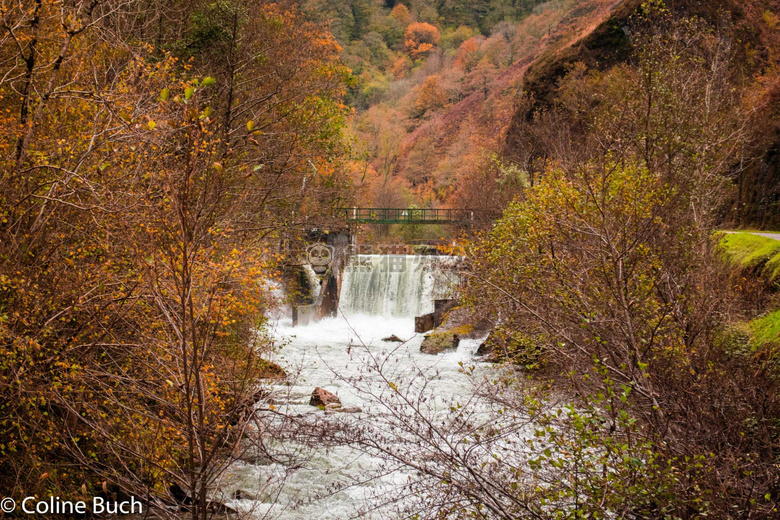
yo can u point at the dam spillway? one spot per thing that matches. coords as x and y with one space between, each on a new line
395 285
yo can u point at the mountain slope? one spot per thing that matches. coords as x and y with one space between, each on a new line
754 30
456 144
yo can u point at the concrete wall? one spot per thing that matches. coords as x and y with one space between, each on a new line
430 321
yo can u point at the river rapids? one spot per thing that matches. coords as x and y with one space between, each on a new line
380 296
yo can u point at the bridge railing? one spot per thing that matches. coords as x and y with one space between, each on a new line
408 215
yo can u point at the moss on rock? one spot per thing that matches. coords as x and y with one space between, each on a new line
438 342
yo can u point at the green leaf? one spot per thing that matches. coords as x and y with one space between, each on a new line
188 92
208 80
164 94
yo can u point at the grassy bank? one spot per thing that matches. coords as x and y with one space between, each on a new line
758 254
765 331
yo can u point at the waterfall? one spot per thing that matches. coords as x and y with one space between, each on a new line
394 285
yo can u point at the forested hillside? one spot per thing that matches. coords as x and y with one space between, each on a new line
753 38
444 93
435 84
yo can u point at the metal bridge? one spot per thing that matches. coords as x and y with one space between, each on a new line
410 215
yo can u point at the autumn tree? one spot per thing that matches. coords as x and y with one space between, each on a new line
401 13
420 39
454 38
430 96
137 188
481 76
268 94
467 54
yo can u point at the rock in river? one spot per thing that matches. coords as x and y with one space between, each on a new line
323 398
437 342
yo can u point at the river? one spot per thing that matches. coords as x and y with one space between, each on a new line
380 297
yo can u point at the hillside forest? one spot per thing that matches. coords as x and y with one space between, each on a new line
163 164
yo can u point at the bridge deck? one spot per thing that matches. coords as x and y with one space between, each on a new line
408 215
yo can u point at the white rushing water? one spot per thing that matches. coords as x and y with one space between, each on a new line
394 285
380 300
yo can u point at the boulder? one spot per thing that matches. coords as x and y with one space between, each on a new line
271 370
393 339
462 322
438 342
322 398
240 494
488 347
332 408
